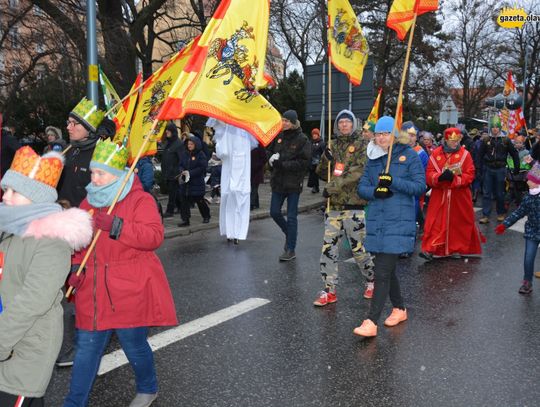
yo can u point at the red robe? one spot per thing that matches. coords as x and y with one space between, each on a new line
450 226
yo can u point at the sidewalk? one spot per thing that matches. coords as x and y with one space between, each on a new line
308 201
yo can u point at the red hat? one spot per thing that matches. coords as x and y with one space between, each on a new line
315 131
452 134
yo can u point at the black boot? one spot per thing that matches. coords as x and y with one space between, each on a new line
184 223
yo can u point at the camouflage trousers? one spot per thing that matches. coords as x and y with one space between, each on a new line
349 223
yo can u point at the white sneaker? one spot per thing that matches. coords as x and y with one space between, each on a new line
143 400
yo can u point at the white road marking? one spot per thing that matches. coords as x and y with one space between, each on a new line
118 358
519 226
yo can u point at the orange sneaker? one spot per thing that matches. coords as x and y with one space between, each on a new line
368 329
397 316
325 298
368 292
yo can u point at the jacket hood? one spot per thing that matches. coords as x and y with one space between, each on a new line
196 140
174 132
374 151
341 113
74 226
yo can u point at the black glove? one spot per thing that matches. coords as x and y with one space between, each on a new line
277 163
325 193
385 180
382 193
516 171
446 175
328 154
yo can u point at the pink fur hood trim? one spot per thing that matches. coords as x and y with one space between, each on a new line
74 226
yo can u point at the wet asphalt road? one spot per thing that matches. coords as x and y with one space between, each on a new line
471 339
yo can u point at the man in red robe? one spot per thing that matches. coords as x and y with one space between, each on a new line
450 228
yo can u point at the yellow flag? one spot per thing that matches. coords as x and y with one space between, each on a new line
122 119
223 75
347 45
374 114
153 94
401 14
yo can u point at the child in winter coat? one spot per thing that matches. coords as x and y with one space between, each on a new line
37 238
530 207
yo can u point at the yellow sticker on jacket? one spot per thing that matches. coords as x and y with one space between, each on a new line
402 158
351 149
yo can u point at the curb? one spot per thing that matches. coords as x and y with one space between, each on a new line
255 215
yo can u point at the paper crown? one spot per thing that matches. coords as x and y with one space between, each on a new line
33 176
495 122
111 155
452 134
88 114
369 125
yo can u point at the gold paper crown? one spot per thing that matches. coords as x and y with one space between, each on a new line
88 114
452 134
110 154
46 169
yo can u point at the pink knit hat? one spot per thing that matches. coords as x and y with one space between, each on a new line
534 174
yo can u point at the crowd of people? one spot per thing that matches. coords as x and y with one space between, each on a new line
385 188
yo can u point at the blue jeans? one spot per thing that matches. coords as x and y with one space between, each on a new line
289 226
494 182
531 247
90 347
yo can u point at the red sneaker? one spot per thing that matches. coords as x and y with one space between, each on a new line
325 298
368 292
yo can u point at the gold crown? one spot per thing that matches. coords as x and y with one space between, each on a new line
46 170
88 114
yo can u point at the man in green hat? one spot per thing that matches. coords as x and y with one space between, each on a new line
493 153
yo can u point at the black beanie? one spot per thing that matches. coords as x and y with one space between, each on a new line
106 129
291 116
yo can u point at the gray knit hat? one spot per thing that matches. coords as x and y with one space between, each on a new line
33 176
291 116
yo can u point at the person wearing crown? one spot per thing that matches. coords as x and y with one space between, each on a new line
123 288
37 238
450 228
82 126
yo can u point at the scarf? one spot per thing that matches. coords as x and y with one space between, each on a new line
534 191
103 196
15 219
449 150
85 144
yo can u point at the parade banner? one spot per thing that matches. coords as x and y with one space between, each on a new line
110 95
154 92
512 120
347 46
223 75
122 119
402 13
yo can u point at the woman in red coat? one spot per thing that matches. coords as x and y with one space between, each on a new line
124 288
450 228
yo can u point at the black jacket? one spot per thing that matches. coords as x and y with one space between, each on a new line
170 157
494 151
76 174
294 159
10 145
196 163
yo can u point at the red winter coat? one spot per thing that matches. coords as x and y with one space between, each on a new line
125 285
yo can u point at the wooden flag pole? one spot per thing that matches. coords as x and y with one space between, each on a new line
67 149
115 200
329 144
400 96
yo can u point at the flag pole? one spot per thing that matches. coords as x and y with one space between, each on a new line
400 95
117 104
329 144
115 200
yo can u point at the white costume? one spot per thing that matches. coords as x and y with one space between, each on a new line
233 147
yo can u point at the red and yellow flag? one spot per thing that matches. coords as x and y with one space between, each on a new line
401 14
225 71
374 114
347 46
122 119
154 92
399 115
512 120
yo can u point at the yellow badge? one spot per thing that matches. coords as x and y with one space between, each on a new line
279 140
402 158
193 158
439 158
457 155
351 149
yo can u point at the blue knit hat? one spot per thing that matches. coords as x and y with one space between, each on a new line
384 125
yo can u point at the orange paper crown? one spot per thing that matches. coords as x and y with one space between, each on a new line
46 169
452 134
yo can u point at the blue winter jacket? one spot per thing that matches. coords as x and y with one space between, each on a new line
391 223
530 207
145 171
195 162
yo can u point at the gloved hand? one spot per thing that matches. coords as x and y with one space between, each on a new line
328 154
273 158
184 176
325 193
500 229
446 175
385 180
382 193
103 221
278 163
75 280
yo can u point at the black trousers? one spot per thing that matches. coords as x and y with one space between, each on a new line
174 202
313 179
185 205
10 400
386 284
254 196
